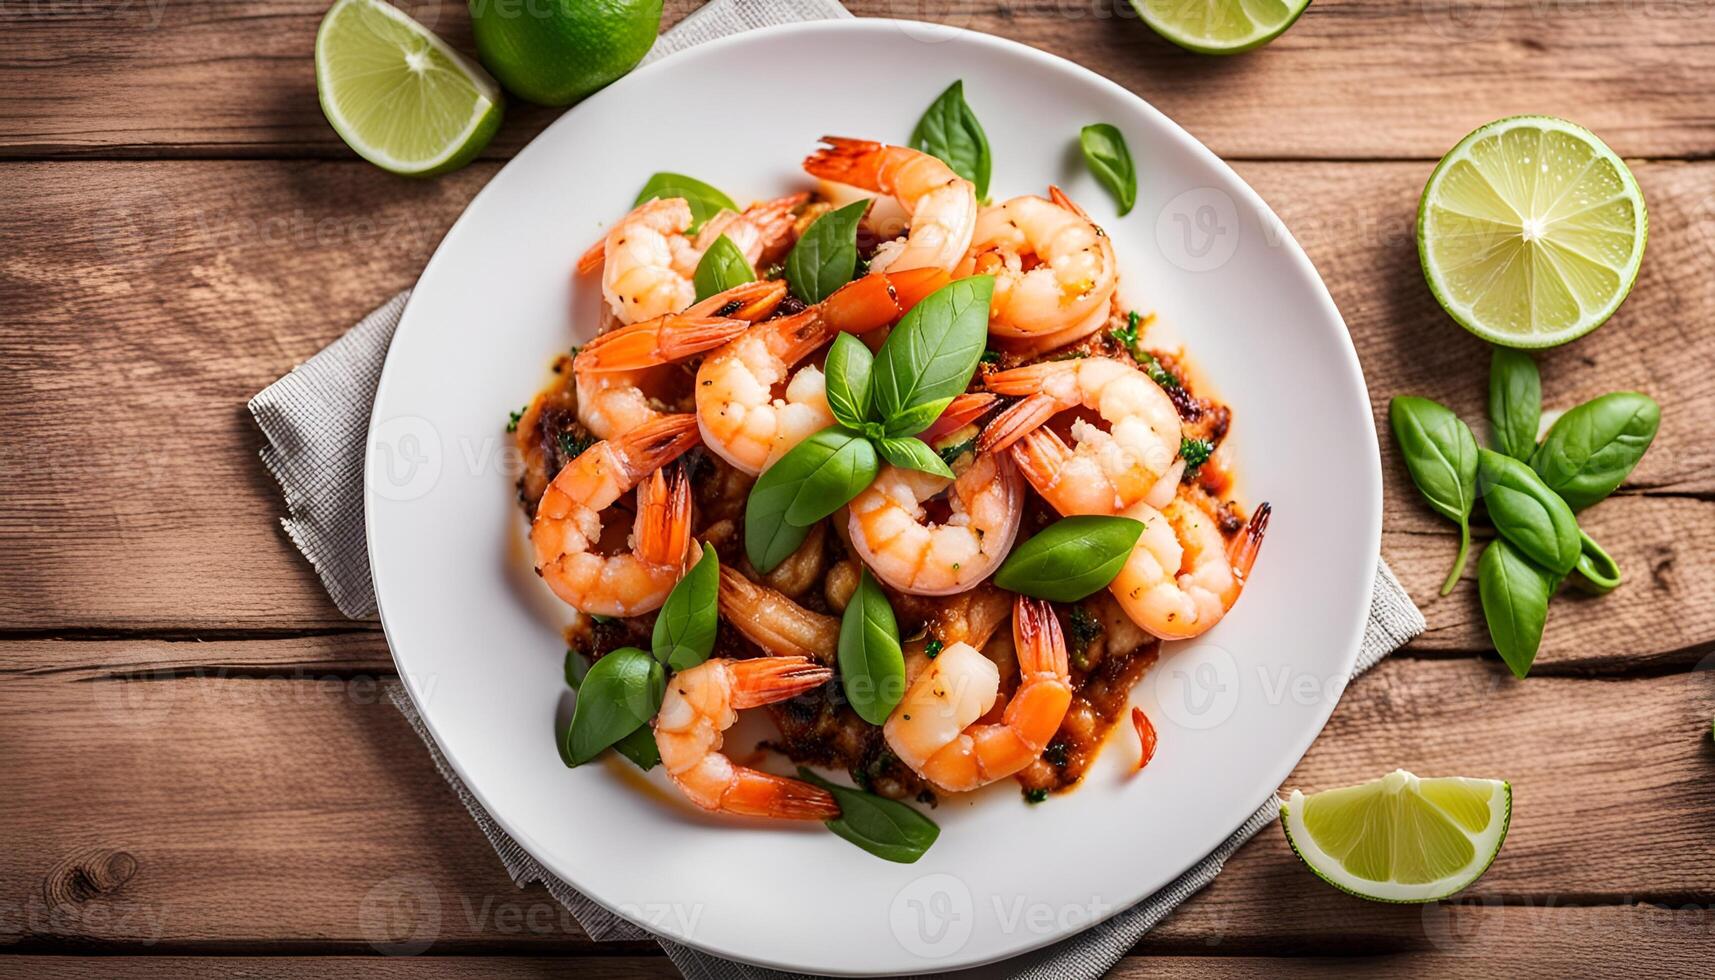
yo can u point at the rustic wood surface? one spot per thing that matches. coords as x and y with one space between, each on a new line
199 773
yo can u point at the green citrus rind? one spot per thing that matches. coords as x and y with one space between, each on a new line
1261 36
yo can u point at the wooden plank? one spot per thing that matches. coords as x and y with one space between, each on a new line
337 655
271 260
1389 80
210 813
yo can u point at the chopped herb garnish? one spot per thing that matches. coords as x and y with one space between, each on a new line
1055 755
572 446
932 649
513 417
1195 452
1070 355
1127 337
1034 796
1085 628
603 620
953 452
990 357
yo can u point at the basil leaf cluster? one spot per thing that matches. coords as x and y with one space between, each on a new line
1531 492
1108 158
705 201
1071 559
883 827
619 694
879 402
949 130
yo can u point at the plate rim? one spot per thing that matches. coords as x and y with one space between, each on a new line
1040 59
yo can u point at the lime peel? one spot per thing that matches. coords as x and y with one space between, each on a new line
1400 838
1220 26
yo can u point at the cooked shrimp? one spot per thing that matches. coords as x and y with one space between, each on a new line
1135 458
702 703
647 261
934 728
568 524
1054 270
941 205
741 416
890 532
614 373
1182 576
774 622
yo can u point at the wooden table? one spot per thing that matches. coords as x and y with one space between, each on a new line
195 766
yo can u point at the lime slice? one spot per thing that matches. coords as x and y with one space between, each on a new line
1219 26
397 94
1531 232
1400 838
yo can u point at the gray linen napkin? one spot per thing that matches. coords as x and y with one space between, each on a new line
315 421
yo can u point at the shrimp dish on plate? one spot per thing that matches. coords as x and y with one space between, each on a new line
922 489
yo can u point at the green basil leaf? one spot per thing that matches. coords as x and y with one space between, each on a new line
847 370
932 353
815 478
577 665
705 201
1106 154
1515 593
886 828
621 691
1441 455
910 453
721 268
872 665
825 257
640 747
1591 449
1071 559
1515 402
915 419
1526 512
1596 572
949 130
685 628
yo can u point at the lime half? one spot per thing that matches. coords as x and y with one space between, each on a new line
399 95
1219 26
1531 232
1400 838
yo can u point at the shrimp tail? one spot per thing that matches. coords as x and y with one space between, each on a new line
754 793
1018 420
593 257
765 680
751 301
656 342
774 221
964 410
1037 637
879 299
773 621
849 161
1242 552
651 446
1059 197
663 527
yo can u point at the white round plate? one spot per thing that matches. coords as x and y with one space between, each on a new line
476 635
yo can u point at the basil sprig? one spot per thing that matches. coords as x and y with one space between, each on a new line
1526 512
1441 456
1591 449
1596 572
619 695
685 628
879 402
1108 158
949 130
1515 402
705 201
872 664
886 828
1515 593
825 256
721 268
1071 559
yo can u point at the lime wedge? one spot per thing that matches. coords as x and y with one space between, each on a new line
1531 232
399 95
1400 838
1219 26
